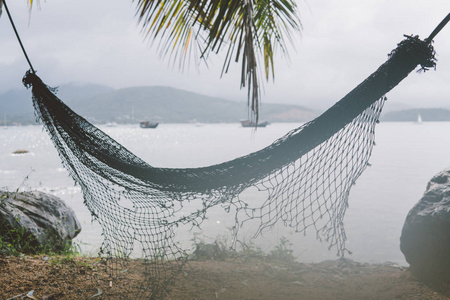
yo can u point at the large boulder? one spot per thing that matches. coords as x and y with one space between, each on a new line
35 221
425 238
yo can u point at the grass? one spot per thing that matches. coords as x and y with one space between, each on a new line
220 249
15 240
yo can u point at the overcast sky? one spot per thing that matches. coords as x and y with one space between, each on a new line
342 42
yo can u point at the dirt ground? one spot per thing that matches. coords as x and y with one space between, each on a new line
42 277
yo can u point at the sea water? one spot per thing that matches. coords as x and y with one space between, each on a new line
407 155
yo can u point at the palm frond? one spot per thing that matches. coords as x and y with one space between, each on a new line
31 3
248 28
172 23
275 20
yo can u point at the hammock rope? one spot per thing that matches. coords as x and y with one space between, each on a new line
17 35
302 179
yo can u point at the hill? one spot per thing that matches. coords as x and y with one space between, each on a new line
16 105
101 104
411 115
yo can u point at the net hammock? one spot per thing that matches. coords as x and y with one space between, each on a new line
303 179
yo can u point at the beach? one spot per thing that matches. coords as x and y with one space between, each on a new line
237 278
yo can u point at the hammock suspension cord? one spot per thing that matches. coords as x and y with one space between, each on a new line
17 35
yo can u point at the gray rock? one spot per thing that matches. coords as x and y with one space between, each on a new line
425 238
33 221
205 251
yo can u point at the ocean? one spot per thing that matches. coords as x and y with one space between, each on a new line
405 158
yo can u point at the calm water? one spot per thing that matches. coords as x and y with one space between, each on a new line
407 155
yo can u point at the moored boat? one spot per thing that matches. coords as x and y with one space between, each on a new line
248 123
146 124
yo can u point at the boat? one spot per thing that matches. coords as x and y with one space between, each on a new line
419 119
248 123
146 124
4 120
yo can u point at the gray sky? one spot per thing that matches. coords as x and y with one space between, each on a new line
342 42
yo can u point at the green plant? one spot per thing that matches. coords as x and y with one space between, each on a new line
7 248
3 198
12 240
250 251
15 240
218 249
282 252
73 260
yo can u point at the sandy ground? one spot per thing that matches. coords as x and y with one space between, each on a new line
42 277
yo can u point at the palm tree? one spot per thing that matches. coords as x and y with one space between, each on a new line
249 30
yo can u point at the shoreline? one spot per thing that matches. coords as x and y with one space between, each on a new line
65 277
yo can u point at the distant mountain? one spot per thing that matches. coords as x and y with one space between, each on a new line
170 105
411 115
287 113
16 105
392 105
73 91
101 104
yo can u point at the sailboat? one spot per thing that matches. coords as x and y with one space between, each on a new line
4 121
419 119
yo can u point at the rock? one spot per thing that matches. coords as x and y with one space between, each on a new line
34 221
205 251
425 238
20 151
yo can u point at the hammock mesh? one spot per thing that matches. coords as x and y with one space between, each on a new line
302 180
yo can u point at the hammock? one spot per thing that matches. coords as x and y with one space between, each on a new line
302 179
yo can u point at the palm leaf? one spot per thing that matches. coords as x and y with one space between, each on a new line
249 29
